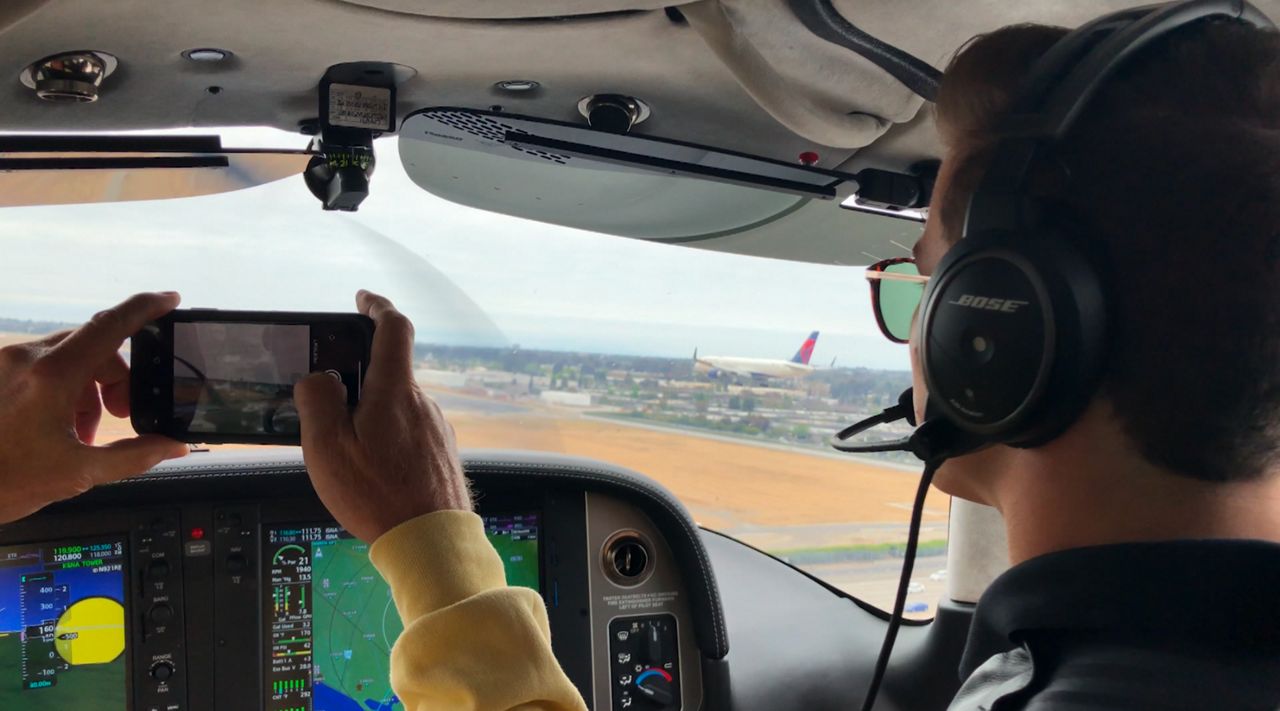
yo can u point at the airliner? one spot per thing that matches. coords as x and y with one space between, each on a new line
797 367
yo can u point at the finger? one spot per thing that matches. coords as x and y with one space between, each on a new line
131 457
391 364
88 413
113 376
80 354
53 339
22 355
322 409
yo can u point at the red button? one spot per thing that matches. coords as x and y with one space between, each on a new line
197 534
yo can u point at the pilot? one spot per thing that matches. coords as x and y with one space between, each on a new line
1145 538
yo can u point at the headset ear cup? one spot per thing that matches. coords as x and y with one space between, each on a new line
1082 319
1010 337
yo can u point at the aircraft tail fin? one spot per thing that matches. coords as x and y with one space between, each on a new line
806 349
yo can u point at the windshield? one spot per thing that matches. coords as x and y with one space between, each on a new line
534 336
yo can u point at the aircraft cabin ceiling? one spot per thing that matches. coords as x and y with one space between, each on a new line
743 75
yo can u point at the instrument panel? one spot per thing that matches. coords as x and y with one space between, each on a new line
232 588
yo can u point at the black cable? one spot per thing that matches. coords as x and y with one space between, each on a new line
198 373
900 600
824 20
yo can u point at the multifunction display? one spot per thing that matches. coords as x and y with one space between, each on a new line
331 621
62 626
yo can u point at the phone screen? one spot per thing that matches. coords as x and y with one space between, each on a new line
239 377
203 375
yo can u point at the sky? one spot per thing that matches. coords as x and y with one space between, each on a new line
463 275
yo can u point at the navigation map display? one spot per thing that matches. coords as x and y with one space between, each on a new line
332 621
62 631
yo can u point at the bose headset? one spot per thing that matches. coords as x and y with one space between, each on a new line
1014 321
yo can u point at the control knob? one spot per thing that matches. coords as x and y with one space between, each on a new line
654 686
162 671
158 569
236 562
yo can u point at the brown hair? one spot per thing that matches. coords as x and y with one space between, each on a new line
1172 178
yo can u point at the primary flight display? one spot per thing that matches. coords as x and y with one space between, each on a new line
62 626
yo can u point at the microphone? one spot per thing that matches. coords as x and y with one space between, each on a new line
934 439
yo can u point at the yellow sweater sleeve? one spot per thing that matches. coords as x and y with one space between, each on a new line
470 643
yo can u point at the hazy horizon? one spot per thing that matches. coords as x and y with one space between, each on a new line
464 276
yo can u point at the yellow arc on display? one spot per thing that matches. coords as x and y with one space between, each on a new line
91 631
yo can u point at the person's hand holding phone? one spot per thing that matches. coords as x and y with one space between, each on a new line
52 392
395 457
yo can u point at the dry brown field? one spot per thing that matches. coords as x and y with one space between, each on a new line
775 497
725 484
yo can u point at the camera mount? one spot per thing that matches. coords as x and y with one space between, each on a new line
357 102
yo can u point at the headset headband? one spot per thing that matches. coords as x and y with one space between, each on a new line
1050 103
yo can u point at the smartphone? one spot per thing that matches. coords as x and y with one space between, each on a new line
217 377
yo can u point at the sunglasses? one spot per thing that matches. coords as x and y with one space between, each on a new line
896 290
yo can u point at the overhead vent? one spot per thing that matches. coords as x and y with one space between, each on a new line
490 128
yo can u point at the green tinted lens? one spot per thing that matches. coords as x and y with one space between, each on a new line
899 300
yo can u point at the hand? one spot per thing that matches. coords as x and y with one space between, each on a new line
395 457
52 392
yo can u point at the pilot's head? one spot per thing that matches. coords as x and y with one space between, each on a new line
1173 177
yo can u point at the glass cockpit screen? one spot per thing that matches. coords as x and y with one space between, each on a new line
238 377
331 621
62 626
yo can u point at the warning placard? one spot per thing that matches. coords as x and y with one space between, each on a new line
360 107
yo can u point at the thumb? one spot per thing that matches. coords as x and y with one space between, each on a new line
322 408
131 457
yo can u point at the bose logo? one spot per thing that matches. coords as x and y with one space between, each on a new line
982 302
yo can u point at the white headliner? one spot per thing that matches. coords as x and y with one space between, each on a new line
739 74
